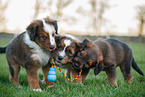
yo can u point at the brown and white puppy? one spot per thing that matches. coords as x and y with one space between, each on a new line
31 50
67 46
106 55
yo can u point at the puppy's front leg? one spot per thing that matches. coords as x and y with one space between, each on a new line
45 70
111 75
33 78
67 73
85 74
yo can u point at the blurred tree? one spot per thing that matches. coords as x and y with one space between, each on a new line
61 4
3 7
141 18
56 8
49 6
98 8
38 7
101 20
94 15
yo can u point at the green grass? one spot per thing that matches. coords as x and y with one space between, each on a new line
93 86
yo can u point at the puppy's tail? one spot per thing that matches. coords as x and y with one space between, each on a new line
2 50
135 67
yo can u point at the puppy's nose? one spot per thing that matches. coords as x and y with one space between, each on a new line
52 46
60 57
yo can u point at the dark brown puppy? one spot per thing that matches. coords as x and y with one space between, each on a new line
106 55
67 46
31 50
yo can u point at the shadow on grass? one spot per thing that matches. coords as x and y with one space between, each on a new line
4 79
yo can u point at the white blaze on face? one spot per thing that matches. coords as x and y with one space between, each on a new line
51 30
67 43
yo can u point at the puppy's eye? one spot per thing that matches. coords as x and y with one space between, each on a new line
81 54
44 37
69 52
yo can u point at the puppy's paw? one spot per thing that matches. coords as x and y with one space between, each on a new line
19 86
37 90
50 86
42 81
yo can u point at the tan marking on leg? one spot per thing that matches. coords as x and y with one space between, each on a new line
111 76
45 70
33 78
15 78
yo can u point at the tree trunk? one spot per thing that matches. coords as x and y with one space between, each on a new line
141 28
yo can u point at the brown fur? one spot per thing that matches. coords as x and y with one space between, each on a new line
19 53
106 55
65 61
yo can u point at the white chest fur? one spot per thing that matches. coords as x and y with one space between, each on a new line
37 53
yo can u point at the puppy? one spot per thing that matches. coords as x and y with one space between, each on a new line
67 46
31 50
106 55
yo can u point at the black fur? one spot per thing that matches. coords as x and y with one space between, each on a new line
135 67
11 69
56 27
2 50
98 68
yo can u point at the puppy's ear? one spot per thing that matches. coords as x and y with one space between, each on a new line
52 22
85 41
99 67
88 42
79 46
32 30
58 39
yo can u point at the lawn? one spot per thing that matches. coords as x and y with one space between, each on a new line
93 86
